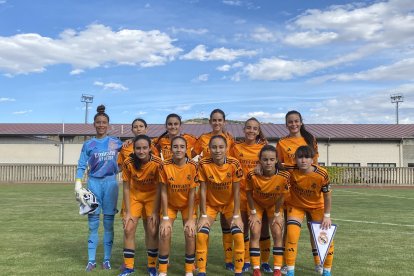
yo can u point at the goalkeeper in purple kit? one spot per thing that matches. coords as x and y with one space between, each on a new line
99 156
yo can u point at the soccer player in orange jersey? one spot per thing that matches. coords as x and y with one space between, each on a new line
141 180
247 152
265 194
178 176
310 193
219 178
201 148
173 129
286 148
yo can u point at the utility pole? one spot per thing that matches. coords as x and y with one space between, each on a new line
87 99
397 98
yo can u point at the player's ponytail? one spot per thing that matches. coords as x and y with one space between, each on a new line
309 138
137 161
101 112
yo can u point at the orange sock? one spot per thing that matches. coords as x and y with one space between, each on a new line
264 249
238 240
278 256
189 263
129 255
255 257
246 249
330 256
316 258
227 246
163 263
291 247
152 255
202 246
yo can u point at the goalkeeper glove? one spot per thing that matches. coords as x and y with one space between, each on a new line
80 192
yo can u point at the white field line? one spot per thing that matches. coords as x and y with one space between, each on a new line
374 222
368 194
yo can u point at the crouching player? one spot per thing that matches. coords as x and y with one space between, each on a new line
178 176
265 194
219 178
310 192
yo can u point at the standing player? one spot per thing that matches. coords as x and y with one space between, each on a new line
310 193
173 129
265 194
141 180
286 148
247 153
99 155
201 147
219 178
178 176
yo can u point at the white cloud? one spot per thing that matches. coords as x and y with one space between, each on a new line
232 2
7 100
22 112
111 85
263 116
280 69
309 39
200 53
201 78
202 31
224 68
401 70
262 34
93 47
77 72
381 22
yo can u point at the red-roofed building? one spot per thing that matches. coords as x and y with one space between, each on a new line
339 144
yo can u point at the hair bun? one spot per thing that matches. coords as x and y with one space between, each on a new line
100 109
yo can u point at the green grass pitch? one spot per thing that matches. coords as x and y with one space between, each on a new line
42 234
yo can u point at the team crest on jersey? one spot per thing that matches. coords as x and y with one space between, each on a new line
323 238
188 177
313 186
112 145
241 155
228 175
277 188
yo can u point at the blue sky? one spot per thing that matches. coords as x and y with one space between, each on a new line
334 61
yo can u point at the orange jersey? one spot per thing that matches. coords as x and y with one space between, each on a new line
125 153
179 181
145 179
201 145
248 156
265 190
164 145
219 180
286 148
306 189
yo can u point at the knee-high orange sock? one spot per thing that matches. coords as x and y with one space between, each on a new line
227 245
129 255
291 246
238 240
246 248
202 246
264 249
152 255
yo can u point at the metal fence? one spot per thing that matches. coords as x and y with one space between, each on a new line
44 173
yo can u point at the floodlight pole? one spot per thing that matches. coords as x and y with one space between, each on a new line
397 98
87 99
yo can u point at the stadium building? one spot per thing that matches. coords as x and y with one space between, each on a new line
342 145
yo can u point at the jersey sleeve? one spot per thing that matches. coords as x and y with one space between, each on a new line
162 174
126 173
201 175
83 162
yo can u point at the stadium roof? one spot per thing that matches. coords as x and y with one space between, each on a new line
271 131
